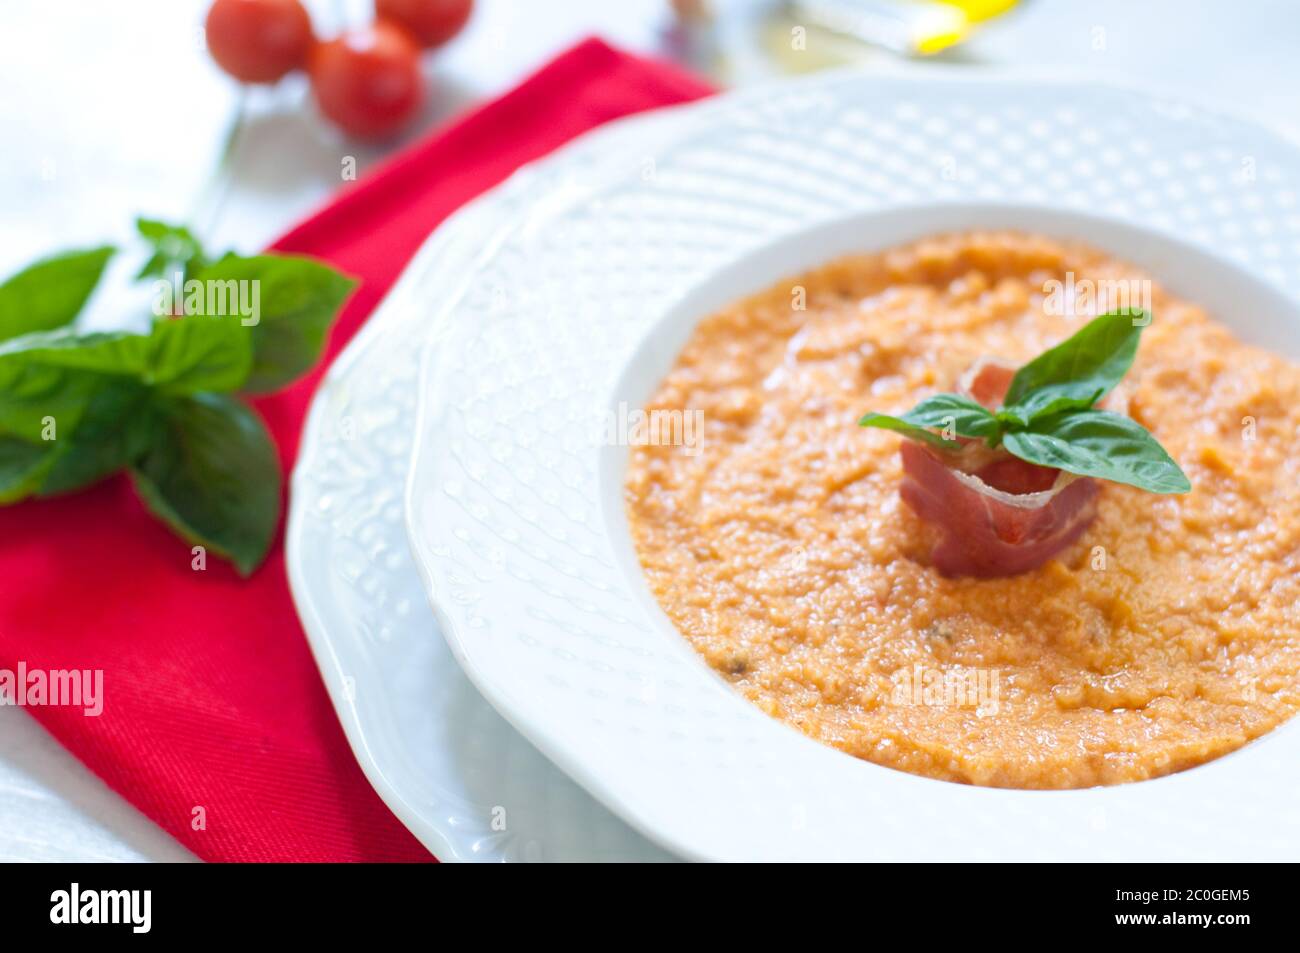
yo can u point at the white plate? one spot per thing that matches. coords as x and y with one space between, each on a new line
514 509
442 759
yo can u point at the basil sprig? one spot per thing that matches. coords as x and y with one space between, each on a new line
174 247
164 406
1048 416
51 292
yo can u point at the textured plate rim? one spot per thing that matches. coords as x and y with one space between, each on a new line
320 632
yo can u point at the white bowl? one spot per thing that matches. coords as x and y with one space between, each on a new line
515 512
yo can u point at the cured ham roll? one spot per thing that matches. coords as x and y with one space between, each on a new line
997 515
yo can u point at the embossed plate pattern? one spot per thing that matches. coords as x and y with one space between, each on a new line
464 782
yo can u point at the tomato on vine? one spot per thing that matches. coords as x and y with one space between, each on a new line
368 80
431 22
258 41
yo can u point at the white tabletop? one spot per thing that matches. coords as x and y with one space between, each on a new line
113 110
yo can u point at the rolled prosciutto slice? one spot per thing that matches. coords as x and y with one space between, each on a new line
997 515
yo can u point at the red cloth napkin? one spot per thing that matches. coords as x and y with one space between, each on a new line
215 722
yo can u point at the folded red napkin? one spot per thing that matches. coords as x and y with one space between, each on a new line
215 722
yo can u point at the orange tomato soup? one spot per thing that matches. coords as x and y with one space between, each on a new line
1167 636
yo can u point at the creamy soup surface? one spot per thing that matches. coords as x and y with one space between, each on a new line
1167 636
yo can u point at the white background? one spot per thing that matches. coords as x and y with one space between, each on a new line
112 109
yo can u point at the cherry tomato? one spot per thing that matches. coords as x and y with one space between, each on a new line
258 41
431 22
368 80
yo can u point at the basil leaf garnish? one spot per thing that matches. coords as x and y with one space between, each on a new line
34 396
182 355
914 431
118 426
103 352
51 292
965 417
1098 443
1048 416
22 467
298 300
214 477
76 408
1077 372
195 353
174 249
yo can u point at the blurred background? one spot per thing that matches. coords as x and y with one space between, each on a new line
112 110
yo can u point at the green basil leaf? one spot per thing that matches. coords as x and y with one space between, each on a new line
22 467
1098 443
1011 417
910 430
1079 371
296 301
195 353
966 417
51 292
38 402
181 355
118 426
175 247
103 352
214 477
